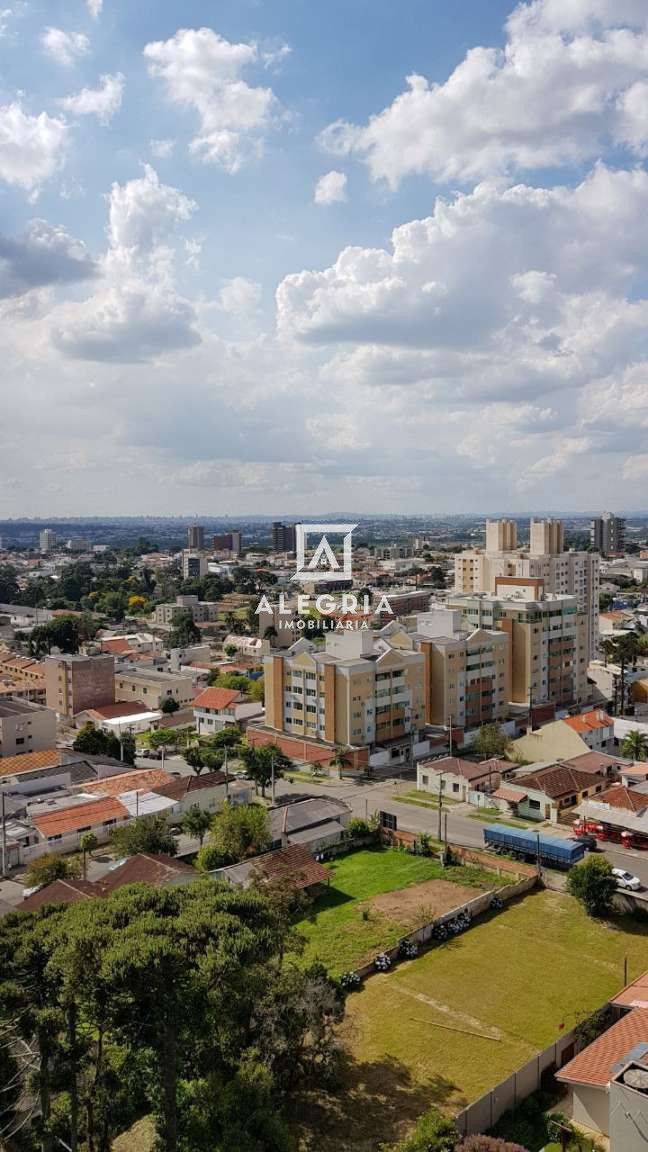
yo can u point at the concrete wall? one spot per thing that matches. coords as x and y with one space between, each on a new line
487 1110
31 731
590 1108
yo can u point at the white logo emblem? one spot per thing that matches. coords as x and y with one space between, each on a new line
322 563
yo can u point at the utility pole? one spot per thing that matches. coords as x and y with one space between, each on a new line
450 735
272 777
226 776
4 834
440 803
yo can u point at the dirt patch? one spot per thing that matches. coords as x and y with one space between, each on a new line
421 903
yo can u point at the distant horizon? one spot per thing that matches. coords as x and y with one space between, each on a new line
263 517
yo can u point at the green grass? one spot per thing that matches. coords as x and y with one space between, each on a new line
334 928
417 799
493 816
476 1008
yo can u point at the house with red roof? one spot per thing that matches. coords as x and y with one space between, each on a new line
596 728
608 1083
218 708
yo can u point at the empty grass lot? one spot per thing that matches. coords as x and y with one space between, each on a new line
343 929
449 1025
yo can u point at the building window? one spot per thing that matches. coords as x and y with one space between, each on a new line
535 804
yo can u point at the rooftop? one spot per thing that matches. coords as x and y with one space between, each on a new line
595 1063
14 707
556 781
590 721
294 865
217 698
80 816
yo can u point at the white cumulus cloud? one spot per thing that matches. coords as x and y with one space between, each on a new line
103 101
32 148
204 71
64 47
571 79
331 188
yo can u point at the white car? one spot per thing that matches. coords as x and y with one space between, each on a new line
626 879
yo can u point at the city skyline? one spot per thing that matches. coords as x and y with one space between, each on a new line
270 257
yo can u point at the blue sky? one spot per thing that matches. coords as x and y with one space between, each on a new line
455 320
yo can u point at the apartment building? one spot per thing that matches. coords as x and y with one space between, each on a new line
548 639
283 537
76 683
25 727
194 564
201 610
228 542
195 537
607 534
466 672
359 690
563 573
152 688
47 541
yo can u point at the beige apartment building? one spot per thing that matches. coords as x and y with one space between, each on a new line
153 688
564 573
548 639
359 690
25 727
76 683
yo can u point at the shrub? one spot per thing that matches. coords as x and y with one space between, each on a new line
433 1133
359 827
593 884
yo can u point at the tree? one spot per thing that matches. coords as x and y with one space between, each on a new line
433 1133
96 742
163 738
169 706
342 759
635 745
209 858
230 650
196 823
491 741
184 632
128 748
9 590
621 650
46 869
264 762
606 600
64 632
240 831
145 834
226 738
234 680
87 843
593 884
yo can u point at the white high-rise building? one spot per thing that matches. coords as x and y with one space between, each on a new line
47 540
562 573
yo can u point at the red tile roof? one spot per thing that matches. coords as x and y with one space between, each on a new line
65 820
177 789
143 779
618 796
557 781
593 1065
59 892
468 769
634 995
510 794
294 864
216 698
590 721
30 762
117 647
144 868
595 762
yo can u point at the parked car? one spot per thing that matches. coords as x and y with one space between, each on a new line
626 880
587 839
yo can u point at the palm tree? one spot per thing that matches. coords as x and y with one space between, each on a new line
87 843
635 745
623 650
341 759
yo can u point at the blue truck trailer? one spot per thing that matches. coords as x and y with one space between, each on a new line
524 844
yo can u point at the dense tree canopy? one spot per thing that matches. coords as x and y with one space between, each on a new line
178 1002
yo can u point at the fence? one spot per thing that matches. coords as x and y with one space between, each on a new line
507 1095
473 907
466 854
